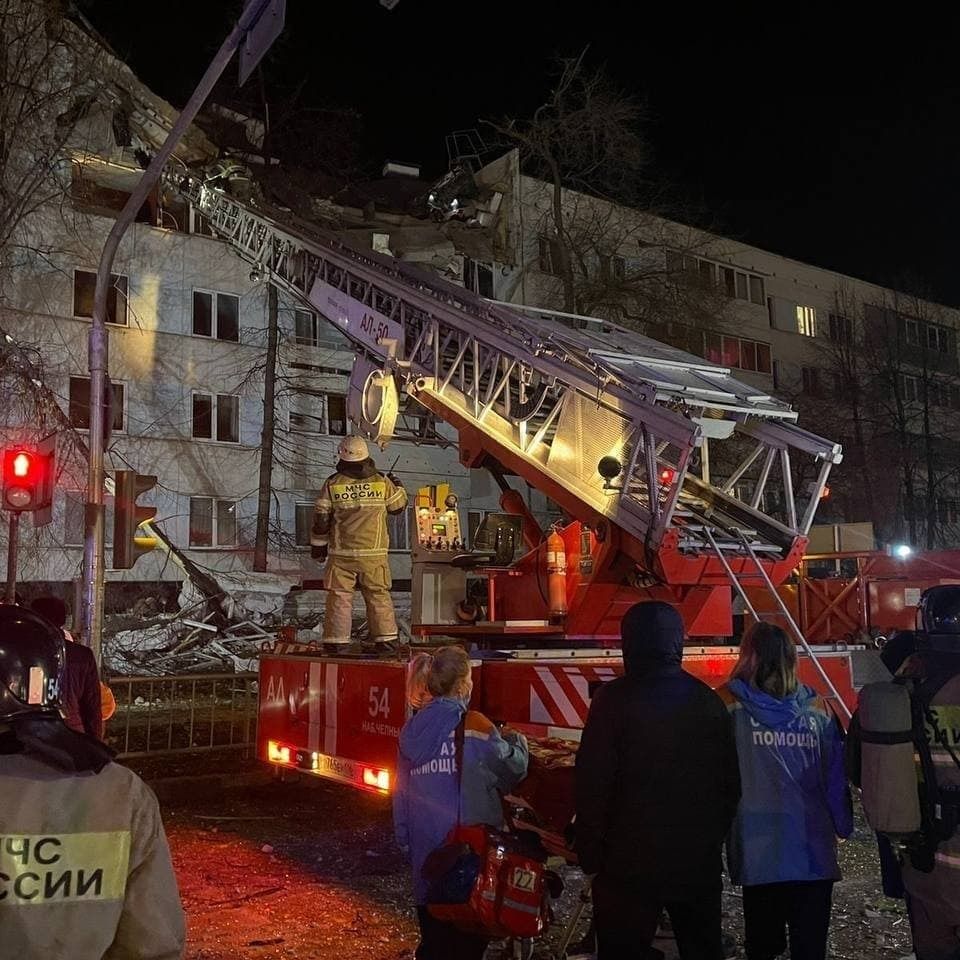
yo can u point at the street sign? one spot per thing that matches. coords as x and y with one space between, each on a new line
265 28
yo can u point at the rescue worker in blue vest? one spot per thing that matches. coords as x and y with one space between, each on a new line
85 870
932 879
350 528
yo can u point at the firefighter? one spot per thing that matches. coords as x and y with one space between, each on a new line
350 527
85 870
933 895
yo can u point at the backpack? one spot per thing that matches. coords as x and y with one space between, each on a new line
908 806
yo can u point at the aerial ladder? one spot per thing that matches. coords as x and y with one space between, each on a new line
625 434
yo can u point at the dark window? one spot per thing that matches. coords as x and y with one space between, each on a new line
222 410
222 307
748 355
228 418
226 523
201 522
79 408
742 287
810 377
713 347
336 415
305 327
202 416
619 266
731 352
545 255
756 290
84 285
841 328
303 524
228 317
478 277
707 276
763 358
729 278
202 313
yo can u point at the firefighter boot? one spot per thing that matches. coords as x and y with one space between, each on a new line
340 581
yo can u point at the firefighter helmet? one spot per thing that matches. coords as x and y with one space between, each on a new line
32 658
940 617
353 450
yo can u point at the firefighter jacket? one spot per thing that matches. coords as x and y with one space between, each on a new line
426 805
85 870
795 800
350 517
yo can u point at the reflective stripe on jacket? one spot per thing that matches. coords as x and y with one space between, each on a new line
351 515
85 870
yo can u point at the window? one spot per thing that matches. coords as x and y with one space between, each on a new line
806 321
938 338
810 380
707 275
73 510
619 268
478 277
756 291
909 388
84 284
317 412
841 328
216 417
79 404
911 333
545 255
216 315
742 286
304 523
306 327
729 280
213 523
398 527
737 352
730 355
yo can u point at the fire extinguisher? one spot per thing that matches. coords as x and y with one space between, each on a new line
556 575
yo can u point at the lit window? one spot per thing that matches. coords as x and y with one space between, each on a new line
216 417
806 321
79 404
216 315
84 285
213 522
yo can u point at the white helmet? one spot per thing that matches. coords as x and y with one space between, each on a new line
353 450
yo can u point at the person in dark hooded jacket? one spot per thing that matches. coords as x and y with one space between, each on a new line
427 803
657 785
796 802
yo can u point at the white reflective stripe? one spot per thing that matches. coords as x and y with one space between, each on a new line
538 712
560 699
313 730
331 674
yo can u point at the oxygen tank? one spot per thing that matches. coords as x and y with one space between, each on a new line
556 575
888 774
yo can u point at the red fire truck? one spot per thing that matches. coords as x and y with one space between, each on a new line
676 481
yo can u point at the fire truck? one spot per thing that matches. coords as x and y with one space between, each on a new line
676 482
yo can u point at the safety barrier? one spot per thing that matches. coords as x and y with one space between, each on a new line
183 714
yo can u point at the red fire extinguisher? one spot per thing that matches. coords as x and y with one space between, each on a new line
556 575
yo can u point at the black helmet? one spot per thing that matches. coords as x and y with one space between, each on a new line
32 656
940 617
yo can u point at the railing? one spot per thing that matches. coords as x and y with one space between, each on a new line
183 714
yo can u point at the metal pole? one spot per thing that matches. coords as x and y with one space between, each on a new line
796 629
93 567
13 537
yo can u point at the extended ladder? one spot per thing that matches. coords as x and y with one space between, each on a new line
552 400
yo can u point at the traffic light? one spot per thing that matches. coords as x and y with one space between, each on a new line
127 517
27 479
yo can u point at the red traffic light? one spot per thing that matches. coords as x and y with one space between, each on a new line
25 479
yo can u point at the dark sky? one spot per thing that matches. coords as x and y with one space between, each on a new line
832 137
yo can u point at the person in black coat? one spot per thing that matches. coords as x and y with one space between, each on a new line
657 787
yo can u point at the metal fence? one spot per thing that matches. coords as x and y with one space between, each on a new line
183 714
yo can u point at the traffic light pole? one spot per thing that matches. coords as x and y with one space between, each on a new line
13 543
97 345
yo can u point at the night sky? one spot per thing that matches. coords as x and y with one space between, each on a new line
832 137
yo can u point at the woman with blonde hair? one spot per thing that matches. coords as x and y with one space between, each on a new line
418 696
795 802
428 803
